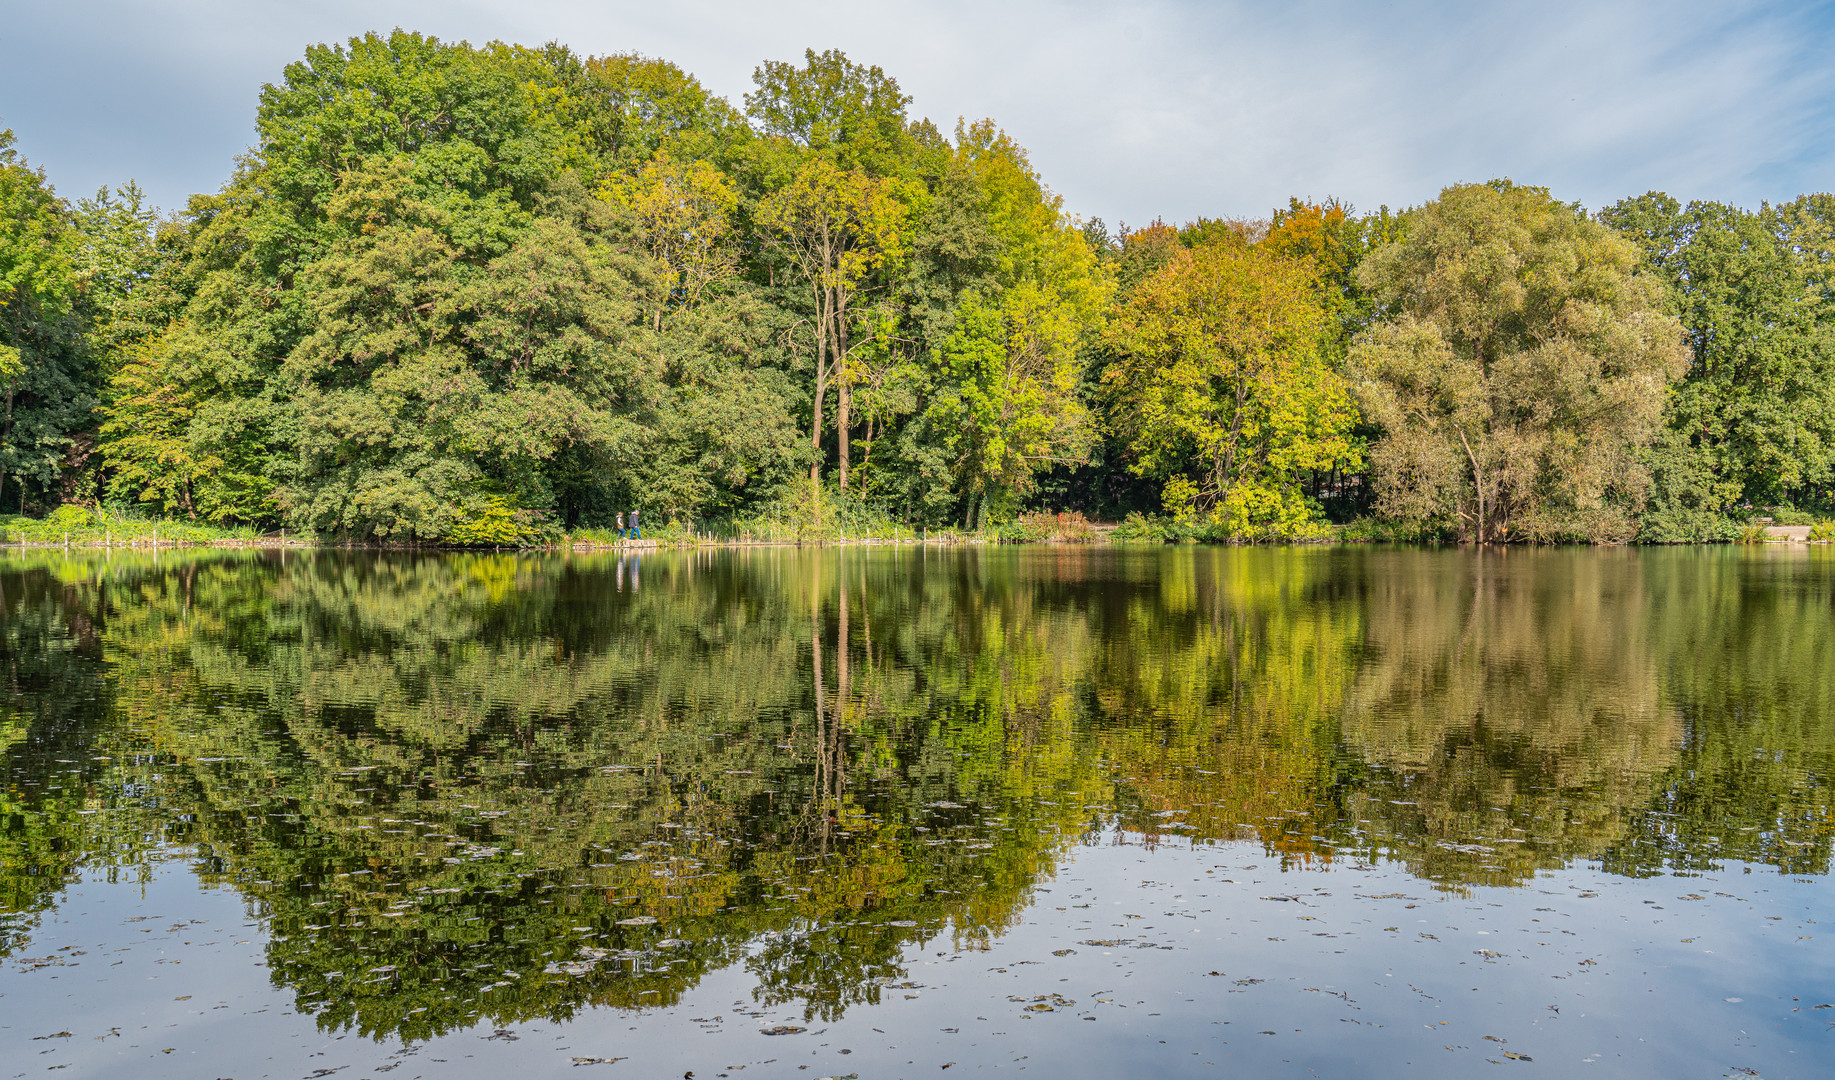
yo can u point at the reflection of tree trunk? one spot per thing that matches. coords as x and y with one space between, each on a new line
843 690
815 667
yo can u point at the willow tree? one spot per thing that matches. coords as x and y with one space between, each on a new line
1522 369
1223 390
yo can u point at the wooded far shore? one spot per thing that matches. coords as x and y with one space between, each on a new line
496 296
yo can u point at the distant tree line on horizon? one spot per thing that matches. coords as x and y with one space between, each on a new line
488 295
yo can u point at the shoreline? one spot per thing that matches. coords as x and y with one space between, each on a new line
643 546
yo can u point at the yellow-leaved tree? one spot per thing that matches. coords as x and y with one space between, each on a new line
1223 388
837 227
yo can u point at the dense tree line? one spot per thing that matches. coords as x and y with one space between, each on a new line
490 294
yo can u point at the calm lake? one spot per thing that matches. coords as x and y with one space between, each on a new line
1067 812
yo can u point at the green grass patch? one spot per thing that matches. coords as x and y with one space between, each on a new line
81 525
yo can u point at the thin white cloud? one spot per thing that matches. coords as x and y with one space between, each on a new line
1132 111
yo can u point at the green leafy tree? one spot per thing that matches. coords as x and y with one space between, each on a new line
46 379
851 114
1753 418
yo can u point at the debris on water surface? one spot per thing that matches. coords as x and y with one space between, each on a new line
902 922
596 1061
1062 952
1514 1056
53 1035
781 1029
638 920
1043 1003
671 943
1105 943
1486 953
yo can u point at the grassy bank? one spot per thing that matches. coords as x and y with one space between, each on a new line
77 525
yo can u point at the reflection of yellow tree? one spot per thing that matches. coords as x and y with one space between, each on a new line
1220 697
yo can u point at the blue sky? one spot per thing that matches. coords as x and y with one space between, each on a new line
1169 108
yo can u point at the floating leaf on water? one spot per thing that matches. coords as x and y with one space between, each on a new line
1495 1039
596 1060
1062 952
1514 1056
1486 953
781 1029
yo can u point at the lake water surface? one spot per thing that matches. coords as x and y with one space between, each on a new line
1067 812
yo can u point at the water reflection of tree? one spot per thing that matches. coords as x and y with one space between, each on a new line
1747 644
450 783
435 777
56 699
1510 704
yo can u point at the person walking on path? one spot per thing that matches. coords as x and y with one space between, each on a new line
637 532
621 524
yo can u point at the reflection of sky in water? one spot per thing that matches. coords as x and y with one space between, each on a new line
520 812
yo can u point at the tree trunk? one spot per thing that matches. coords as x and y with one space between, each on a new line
815 423
6 436
844 397
1478 487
